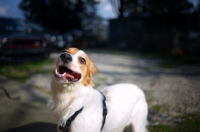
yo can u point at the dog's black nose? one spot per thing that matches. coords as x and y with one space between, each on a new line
65 57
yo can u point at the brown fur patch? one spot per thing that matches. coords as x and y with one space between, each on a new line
88 70
71 51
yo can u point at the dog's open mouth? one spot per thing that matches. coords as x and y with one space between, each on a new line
65 73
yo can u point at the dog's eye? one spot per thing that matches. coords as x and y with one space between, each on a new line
82 60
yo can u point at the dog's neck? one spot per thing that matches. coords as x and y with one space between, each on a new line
59 87
67 98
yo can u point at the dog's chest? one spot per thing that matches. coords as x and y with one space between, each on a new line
89 120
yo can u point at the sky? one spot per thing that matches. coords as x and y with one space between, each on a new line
105 10
9 8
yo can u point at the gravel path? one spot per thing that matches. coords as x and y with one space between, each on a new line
24 108
177 90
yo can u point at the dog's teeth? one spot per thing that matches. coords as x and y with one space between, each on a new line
56 71
63 74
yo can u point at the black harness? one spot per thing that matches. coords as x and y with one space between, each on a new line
71 118
104 110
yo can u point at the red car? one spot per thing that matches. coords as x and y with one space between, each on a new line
18 44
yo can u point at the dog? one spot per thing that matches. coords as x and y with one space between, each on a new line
78 107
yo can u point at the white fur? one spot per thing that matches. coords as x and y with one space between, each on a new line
126 105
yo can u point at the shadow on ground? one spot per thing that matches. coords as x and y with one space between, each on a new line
35 127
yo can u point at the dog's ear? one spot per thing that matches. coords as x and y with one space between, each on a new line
92 70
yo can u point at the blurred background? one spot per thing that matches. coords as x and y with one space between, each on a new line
170 26
154 44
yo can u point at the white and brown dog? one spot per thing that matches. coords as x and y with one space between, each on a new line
80 108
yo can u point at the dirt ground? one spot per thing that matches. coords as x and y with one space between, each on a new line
24 108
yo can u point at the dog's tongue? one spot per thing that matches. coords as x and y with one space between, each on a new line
67 73
69 76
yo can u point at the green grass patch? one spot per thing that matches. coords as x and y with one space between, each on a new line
161 128
98 81
160 108
153 106
186 122
172 61
189 123
154 55
175 62
23 71
149 97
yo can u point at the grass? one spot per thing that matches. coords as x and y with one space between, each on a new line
175 62
171 61
23 71
189 123
98 81
160 108
160 128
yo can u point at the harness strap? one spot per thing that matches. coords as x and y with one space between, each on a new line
104 110
69 121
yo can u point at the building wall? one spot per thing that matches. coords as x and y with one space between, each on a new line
166 33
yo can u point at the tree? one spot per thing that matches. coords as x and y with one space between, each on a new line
124 7
60 15
167 6
197 9
128 7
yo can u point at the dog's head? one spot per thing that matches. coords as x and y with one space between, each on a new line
74 66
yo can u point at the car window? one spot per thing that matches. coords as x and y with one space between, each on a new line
12 26
19 26
35 27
